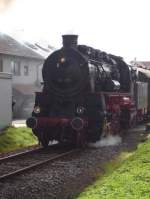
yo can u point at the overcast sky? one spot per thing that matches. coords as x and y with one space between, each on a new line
120 27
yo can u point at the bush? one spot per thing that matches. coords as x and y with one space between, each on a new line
14 138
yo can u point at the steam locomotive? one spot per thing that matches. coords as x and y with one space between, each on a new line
87 94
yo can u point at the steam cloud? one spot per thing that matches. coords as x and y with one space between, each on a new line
107 141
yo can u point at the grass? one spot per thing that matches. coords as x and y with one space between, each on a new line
128 177
14 138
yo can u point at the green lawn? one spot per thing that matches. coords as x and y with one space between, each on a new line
13 138
126 178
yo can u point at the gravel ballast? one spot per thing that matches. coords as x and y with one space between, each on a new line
65 178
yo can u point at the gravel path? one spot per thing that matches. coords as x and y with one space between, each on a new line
66 177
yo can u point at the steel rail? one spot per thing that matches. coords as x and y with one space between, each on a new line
30 151
25 169
19 154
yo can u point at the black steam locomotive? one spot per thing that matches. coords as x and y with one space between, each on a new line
86 94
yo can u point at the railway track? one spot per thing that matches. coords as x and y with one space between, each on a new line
20 163
12 156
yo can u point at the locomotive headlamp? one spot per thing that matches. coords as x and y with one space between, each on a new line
37 109
77 123
62 60
80 110
31 122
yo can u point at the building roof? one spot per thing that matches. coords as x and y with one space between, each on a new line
9 46
145 63
142 64
145 72
40 48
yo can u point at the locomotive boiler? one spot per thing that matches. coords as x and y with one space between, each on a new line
87 94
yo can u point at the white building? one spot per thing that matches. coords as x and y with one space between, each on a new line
5 100
25 65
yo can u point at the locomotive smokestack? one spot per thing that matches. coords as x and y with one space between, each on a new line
70 41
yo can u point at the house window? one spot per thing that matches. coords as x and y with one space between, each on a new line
16 68
1 65
26 70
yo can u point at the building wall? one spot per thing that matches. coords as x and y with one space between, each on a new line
33 75
23 85
34 66
5 100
